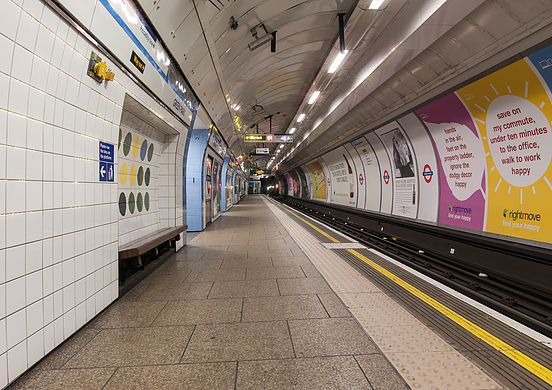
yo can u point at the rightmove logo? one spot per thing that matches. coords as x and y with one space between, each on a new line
521 215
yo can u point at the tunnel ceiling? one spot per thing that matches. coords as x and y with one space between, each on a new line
460 40
399 56
240 87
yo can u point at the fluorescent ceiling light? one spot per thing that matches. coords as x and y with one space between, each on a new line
313 97
281 146
375 4
292 130
301 117
337 61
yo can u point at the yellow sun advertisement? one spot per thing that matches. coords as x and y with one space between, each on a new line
513 111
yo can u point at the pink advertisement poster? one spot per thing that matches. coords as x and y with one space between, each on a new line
462 162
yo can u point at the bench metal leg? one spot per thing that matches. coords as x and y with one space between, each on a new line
140 265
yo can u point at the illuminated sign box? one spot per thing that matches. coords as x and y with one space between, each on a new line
278 138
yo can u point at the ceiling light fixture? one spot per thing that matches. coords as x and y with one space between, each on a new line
337 61
281 146
292 130
314 96
301 117
375 4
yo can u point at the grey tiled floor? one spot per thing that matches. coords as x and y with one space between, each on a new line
239 307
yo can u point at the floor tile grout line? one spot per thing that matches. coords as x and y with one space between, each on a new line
210 289
363 373
236 376
110 377
291 339
187 343
158 314
80 349
241 311
322 303
278 286
199 362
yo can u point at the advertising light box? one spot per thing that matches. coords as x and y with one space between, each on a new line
278 138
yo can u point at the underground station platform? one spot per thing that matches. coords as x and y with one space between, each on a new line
267 297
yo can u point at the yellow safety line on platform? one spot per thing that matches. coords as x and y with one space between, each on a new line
520 358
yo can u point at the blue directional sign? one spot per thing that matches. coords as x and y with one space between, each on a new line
107 159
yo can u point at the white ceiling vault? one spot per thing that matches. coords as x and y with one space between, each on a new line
239 87
399 55
426 48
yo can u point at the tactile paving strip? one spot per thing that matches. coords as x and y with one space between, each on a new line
499 365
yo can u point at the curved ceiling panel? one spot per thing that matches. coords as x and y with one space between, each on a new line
227 76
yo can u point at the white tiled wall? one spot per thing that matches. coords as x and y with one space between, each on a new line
170 189
58 223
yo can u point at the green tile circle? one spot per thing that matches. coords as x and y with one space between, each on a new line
146 201
147 177
140 175
127 143
122 203
131 203
139 202
120 138
150 152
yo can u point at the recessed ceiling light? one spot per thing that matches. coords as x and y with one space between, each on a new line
337 61
314 96
375 4
292 130
301 117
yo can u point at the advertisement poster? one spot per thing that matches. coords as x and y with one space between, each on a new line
296 183
289 182
304 184
372 180
513 111
342 176
428 169
403 171
461 162
318 180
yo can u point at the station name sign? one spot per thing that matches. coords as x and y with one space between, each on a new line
285 138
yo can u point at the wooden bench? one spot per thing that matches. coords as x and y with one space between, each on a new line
136 248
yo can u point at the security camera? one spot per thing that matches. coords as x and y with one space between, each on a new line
233 23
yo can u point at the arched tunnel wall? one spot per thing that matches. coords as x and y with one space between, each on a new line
475 159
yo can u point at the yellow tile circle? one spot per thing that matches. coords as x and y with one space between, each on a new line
123 174
136 147
132 174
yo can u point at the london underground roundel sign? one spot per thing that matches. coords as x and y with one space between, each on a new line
427 173
386 177
361 179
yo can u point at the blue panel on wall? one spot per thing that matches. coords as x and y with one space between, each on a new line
194 178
